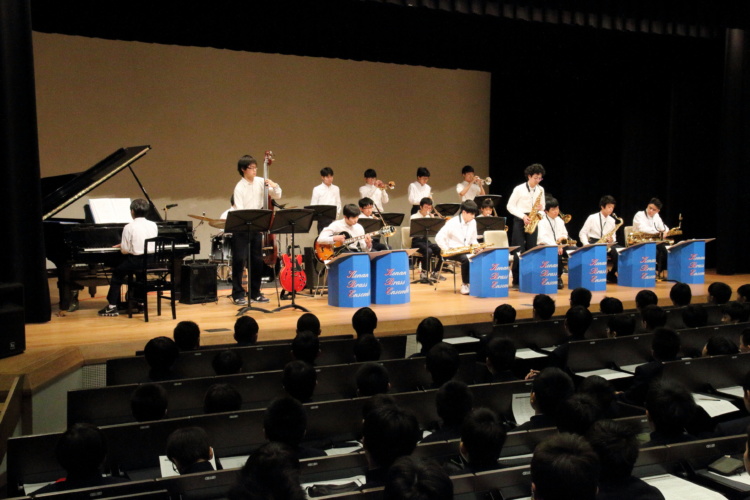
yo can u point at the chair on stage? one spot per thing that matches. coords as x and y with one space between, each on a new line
499 239
157 276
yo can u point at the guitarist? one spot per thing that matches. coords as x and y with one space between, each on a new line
332 234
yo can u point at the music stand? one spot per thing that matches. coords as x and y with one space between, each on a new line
479 199
490 224
370 225
424 228
248 221
323 212
448 209
290 221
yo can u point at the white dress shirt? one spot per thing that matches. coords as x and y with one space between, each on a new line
326 195
521 201
135 234
457 233
642 223
340 226
595 226
474 190
417 191
249 195
551 230
378 196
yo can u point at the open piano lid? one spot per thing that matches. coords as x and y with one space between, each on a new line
60 191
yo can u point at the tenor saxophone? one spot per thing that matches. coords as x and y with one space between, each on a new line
607 236
534 216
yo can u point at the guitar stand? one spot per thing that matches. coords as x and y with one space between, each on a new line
286 222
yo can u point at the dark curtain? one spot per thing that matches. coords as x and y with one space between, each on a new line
22 251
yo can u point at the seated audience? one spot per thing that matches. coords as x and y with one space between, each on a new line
665 346
578 319
388 433
745 340
580 297
735 312
669 408
680 294
149 402
299 380
442 362
429 333
743 293
187 336
719 293
227 362
645 298
620 325
616 444
564 467
719 346
285 421
371 379
364 321
413 479
308 322
189 451
504 314
246 331
500 355
376 402
482 440
611 305
577 414
221 398
603 392
366 348
81 451
543 307
739 425
453 402
306 347
160 354
694 316
653 317
548 390
270 473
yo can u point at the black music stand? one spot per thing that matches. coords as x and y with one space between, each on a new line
479 199
448 209
424 228
490 224
291 221
391 219
370 225
324 212
248 221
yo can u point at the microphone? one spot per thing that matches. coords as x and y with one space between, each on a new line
171 206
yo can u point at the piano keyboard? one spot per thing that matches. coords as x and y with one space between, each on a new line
117 249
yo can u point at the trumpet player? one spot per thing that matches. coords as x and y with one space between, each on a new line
552 231
374 189
472 186
459 232
649 222
419 189
600 224
526 199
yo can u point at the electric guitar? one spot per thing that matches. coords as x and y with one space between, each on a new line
324 251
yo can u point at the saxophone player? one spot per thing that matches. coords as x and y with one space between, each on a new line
552 231
459 232
599 225
649 223
526 199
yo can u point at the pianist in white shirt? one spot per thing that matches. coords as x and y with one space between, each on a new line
134 236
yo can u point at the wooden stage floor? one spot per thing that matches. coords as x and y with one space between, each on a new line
71 340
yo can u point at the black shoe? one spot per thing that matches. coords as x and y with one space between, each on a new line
110 310
560 284
261 298
242 301
612 278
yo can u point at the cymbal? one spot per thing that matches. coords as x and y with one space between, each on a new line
217 223
201 217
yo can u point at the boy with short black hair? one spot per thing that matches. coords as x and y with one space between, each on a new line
669 408
442 362
526 200
299 380
419 189
599 225
543 307
453 401
366 348
564 467
364 321
611 305
653 317
326 193
648 222
620 325
149 402
644 298
285 421
333 234
429 333
371 379
694 316
306 347
366 208
719 293
680 294
187 336
309 322
374 189
189 450
471 187
552 231
388 432
458 232
221 398
665 346
426 248
504 314
548 390
580 297
482 440
246 331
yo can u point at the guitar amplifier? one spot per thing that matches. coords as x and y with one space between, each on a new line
198 284
315 270
12 317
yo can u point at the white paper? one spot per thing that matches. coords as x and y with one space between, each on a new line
168 471
529 354
360 480
461 340
343 450
522 410
110 210
742 477
631 368
675 488
233 462
714 406
736 391
605 373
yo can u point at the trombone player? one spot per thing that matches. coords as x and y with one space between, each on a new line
552 231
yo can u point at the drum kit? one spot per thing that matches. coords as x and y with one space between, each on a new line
221 247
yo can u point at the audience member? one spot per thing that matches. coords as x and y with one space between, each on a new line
665 346
246 331
620 325
367 348
564 467
453 402
578 319
738 425
285 421
371 379
743 293
81 451
429 333
160 354
501 353
645 298
306 347
149 402
413 479
580 297
680 294
653 317
694 316
603 392
189 450
388 432
735 312
616 444
187 336
577 414
221 398
543 307
669 408
548 389
364 321
719 293
482 440
719 346
611 305
227 362
442 363
308 322
375 402
299 380
745 340
504 314
270 473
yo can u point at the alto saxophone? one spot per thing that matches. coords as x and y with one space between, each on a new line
465 249
607 236
534 216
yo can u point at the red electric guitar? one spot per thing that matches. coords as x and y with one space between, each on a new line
285 276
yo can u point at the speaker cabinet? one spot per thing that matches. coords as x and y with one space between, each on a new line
13 329
198 283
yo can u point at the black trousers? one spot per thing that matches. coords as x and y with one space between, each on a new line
427 250
465 267
130 264
523 241
239 259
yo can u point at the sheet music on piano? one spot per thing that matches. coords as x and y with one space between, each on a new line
110 210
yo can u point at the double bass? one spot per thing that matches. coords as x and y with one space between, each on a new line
269 243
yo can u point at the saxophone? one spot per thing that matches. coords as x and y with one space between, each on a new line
607 236
465 249
534 216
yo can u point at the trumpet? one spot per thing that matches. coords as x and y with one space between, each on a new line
382 185
486 181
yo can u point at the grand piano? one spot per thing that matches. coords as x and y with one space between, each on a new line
82 250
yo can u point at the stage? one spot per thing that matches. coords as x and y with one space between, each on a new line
71 340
